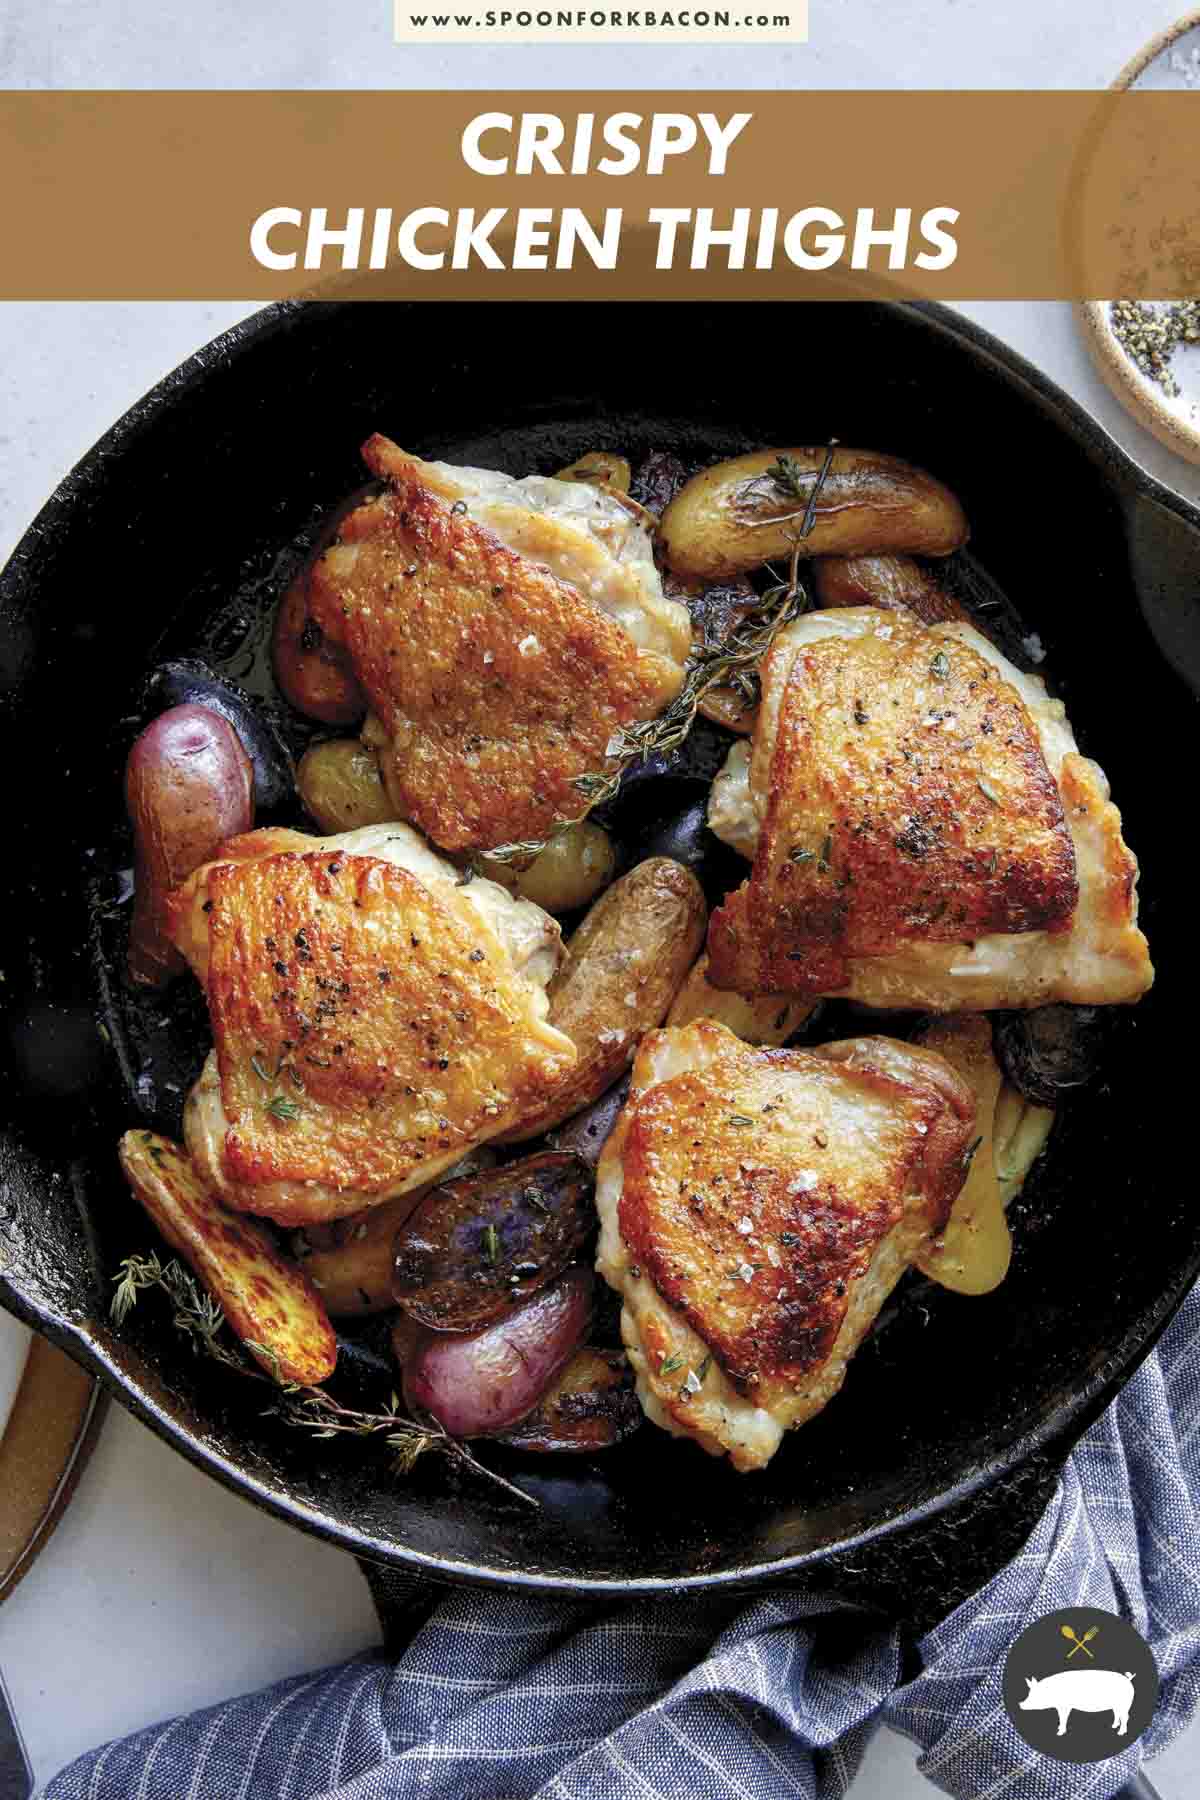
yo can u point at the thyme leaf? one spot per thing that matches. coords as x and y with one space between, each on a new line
280 1107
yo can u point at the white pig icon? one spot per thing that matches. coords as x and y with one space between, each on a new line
1082 1690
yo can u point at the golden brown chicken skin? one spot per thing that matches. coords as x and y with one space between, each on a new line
757 1207
503 633
922 828
371 1023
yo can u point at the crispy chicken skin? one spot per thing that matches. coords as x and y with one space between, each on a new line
503 632
372 1020
757 1207
922 828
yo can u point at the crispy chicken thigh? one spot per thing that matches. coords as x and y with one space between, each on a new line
373 1019
503 631
923 830
757 1207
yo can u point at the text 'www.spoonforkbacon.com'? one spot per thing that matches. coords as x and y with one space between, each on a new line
785 23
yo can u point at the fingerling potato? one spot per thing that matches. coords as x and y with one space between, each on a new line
895 583
736 516
340 785
622 969
269 1303
189 785
314 674
572 869
473 1249
764 1019
591 1406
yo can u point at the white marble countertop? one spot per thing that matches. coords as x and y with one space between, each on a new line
160 1591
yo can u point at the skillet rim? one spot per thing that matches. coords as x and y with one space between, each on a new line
1055 1434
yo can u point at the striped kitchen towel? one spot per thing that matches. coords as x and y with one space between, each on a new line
698 1697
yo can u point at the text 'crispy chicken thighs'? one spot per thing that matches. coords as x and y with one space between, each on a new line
372 1019
504 631
757 1207
923 830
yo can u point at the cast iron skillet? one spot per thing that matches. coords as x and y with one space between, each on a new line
174 534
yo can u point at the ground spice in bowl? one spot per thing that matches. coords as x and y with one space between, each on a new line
1150 332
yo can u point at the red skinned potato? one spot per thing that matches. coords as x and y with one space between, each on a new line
474 1386
268 1303
189 785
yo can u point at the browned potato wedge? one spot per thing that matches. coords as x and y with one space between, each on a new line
623 967
340 784
312 673
349 1262
591 1406
735 516
895 583
766 1019
189 785
474 1249
270 1305
604 467
570 871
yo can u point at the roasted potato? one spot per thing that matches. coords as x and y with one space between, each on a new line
269 1303
603 467
623 967
895 583
588 1131
349 1261
766 1019
188 786
673 823
473 1249
737 516
340 785
485 1382
313 674
189 682
572 869
591 1406
1053 1050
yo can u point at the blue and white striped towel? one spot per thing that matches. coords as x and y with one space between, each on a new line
716 1698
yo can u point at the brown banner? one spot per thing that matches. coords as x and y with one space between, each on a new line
949 196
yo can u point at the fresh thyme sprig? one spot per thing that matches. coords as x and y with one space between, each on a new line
790 481
315 1411
197 1315
733 663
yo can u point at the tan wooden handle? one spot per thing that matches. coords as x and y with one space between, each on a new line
55 1417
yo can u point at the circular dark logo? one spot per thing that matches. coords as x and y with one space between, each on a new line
1080 1685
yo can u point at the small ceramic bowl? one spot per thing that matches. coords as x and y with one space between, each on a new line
1170 61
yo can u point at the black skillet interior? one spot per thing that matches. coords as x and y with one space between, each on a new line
175 536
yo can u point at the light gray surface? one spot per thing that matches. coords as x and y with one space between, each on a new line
160 1591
